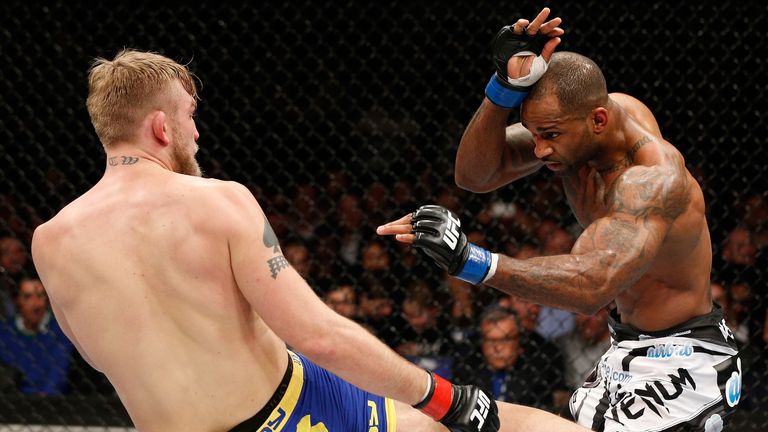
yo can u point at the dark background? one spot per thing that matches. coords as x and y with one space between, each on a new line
378 91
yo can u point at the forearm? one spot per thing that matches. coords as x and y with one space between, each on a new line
351 352
482 147
491 154
578 283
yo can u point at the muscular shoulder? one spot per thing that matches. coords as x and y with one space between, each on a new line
638 111
646 191
226 200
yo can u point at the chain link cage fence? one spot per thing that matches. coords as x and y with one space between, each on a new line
340 116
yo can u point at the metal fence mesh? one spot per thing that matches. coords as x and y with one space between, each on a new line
341 116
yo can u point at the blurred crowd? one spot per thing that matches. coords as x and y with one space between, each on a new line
521 351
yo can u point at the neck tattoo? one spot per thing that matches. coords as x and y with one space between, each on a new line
122 160
629 158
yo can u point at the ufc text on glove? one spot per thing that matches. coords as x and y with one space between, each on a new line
438 234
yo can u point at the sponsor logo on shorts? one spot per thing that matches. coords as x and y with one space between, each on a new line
276 422
725 330
668 350
652 399
614 376
373 419
733 386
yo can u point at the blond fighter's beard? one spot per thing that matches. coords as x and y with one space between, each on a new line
184 161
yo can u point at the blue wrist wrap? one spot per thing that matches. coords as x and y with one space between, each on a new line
477 265
503 96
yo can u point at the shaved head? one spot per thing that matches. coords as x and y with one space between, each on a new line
575 80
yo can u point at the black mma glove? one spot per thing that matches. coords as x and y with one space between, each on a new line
439 235
460 408
508 92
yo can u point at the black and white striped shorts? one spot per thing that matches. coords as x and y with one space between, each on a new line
687 378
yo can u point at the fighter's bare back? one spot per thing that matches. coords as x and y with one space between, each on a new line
149 297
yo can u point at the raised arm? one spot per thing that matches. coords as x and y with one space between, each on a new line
491 154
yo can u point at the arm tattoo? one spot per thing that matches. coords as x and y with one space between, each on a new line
276 264
278 261
612 254
270 239
645 192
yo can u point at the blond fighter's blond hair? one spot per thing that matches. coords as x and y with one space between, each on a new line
123 90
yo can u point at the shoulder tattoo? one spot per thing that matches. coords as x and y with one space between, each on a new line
644 192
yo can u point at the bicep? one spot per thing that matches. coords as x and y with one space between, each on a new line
624 245
642 207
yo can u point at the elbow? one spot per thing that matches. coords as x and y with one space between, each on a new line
589 308
471 183
602 293
322 350
321 342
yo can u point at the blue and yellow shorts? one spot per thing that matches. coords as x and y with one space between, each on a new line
311 399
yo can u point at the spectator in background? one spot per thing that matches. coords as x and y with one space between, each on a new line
277 209
14 261
466 301
739 249
375 257
422 340
376 310
376 202
509 370
342 298
376 263
721 296
554 323
349 216
742 306
402 195
14 256
306 215
547 356
297 254
583 348
756 218
327 265
18 218
336 184
34 344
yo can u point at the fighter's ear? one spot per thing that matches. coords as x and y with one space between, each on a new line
599 119
159 129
